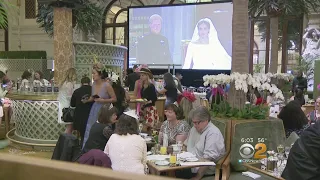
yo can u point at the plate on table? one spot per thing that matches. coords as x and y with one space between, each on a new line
192 159
162 163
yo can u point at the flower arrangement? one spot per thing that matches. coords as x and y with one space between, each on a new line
243 85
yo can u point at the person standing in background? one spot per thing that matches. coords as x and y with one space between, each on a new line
82 110
132 78
170 89
299 82
154 47
177 79
64 97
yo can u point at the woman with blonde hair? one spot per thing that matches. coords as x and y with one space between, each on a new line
148 92
65 94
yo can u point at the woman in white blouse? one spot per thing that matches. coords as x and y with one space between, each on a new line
38 79
65 94
26 76
126 148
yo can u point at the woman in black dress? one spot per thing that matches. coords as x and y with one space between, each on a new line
82 110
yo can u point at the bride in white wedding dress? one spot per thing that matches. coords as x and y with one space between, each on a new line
205 50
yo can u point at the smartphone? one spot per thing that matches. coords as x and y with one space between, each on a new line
96 96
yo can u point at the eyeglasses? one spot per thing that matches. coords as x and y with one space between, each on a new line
196 122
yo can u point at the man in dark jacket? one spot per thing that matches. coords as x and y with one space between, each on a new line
304 158
299 82
132 78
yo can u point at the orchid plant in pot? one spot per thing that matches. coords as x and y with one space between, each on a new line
244 85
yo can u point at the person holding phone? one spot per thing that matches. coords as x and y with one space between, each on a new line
102 93
82 110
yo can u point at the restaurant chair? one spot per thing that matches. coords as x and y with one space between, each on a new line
223 165
291 139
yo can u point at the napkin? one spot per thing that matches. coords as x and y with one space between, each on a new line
185 155
206 163
252 175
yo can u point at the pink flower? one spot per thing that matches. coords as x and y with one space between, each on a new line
318 86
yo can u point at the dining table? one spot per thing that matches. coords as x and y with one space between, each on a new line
169 170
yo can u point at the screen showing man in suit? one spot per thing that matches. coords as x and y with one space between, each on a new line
153 46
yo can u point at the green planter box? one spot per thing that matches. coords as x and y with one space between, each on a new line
23 55
251 139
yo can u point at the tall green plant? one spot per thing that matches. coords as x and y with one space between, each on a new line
305 66
87 16
5 8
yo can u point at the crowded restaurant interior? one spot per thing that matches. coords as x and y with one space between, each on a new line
166 89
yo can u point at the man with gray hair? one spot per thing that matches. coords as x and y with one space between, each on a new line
205 141
153 47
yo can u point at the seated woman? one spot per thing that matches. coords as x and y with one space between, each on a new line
101 130
126 148
314 115
175 127
39 80
303 162
294 119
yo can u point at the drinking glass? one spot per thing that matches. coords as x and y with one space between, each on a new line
287 151
179 144
140 127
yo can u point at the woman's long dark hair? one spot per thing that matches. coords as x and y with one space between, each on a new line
120 94
298 96
168 79
292 116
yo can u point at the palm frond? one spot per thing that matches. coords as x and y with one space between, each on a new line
288 7
87 16
7 9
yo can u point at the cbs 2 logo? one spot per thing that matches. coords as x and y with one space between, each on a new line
247 151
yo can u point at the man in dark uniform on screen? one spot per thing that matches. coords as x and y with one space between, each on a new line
153 47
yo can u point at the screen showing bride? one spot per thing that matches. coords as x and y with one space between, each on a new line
205 50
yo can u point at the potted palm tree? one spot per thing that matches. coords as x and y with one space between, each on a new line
275 10
87 16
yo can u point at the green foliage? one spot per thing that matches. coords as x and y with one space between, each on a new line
87 17
23 55
293 32
305 66
5 9
280 7
224 110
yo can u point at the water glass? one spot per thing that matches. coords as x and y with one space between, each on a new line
287 151
179 144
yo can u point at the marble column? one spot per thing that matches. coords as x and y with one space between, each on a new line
63 42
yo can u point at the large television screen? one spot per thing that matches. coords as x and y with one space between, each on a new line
190 36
